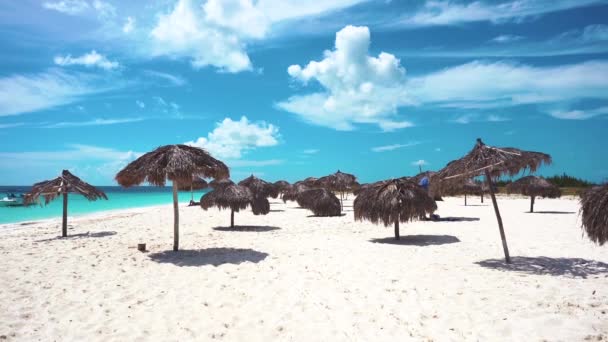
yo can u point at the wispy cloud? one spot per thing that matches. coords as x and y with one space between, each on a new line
435 13
71 7
311 151
174 80
394 146
91 59
506 38
578 114
482 84
420 162
95 122
9 125
129 25
32 92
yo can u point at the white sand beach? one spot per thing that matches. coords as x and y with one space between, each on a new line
290 277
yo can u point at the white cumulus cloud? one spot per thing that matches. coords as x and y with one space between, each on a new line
357 88
91 59
216 32
231 139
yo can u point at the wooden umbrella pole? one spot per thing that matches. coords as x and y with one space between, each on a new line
531 204
64 224
397 230
498 218
175 218
231 218
465 199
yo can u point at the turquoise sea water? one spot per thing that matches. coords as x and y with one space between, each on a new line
118 198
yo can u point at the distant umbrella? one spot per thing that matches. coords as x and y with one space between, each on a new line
492 162
62 185
464 187
393 201
310 182
177 163
231 196
291 193
320 201
259 187
534 186
197 183
281 186
218 183
339 182
594 212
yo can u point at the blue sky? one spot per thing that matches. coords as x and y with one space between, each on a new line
287 89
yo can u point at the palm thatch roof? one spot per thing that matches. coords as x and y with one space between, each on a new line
66 183
174 162
498 161
535 187
260 187
197 183
310 182
464 187
231 196
281 184
218 183
594 212
392 201
320 201
338 181
291 193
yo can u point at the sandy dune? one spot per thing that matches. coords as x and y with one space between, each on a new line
291 277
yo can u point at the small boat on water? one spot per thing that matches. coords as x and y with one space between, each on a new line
12 200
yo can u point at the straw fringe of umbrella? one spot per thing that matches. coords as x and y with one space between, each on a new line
594 213
62 185
320 201
230 196
393 201
339 182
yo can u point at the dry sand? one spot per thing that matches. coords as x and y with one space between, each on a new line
291 277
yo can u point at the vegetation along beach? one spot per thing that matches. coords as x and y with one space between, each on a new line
278 170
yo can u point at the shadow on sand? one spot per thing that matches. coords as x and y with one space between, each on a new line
246 229
551 212
208 256
418 240
276 210
568 267
475 205
81 236
343 214
455 219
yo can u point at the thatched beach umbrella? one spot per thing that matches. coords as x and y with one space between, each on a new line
338 182
594 212
197 183
218 183
291 193
259 187
321 202
463 187
534 186
281 186
310 182
433 188
177 163
232 196
62 185
393 201
493 162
